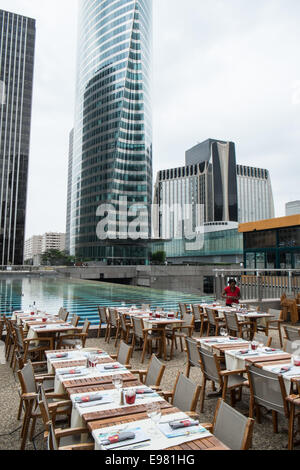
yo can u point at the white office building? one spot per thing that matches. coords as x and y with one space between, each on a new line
292 208
255 195
39 244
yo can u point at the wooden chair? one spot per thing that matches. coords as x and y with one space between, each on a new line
227 380
10 337
291 333
294 409
152 377
113 324
193 355
231 427
26 347
102 321
267 390
29 394
273 323
262 338
126 328
63 314
237 327
200 318
214 321
124 354
69 341
56 439
185 395
177 332
146 336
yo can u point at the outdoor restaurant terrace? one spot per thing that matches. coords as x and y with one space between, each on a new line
178 376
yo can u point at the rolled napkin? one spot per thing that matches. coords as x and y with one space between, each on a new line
246 351
122 437
59 356
186 423
144 391
72 372
88 398
285 369
231 338
113 367
40 327
211 341
270 350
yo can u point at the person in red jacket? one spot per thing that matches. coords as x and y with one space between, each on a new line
232 293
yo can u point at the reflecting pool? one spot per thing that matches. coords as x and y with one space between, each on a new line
83 297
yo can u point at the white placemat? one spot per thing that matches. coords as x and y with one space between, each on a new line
158 441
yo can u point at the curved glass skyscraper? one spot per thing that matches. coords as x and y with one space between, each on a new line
112 147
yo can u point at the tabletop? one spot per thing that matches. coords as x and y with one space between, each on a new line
207 443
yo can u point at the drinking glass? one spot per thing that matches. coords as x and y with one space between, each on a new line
154 413
118 383
223 332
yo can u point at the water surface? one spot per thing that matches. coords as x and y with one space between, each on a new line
83 297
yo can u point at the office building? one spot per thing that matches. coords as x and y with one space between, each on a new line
112 151
292 208
39 244
255 195
210 190
17 47
69 191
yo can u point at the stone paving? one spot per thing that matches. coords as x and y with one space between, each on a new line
264 438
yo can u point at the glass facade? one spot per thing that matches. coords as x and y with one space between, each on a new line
112 148
272 249
17 45
221 243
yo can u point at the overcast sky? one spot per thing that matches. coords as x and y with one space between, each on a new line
225 69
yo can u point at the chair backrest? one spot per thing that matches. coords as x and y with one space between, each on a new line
102 314
210 315
52 443
19 336
63 314
267 389
193 353
290 347
138 327
43 404
262 338
155 372
197 312
231 321
182 309
75 320
86 326
124 354
122 317
27 379
113 317
189 320
277 314
292 334
232 428
145 306
209 366
186 394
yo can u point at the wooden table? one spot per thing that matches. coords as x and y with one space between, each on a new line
163 324
208 443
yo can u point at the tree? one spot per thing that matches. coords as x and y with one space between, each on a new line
56 258
159 257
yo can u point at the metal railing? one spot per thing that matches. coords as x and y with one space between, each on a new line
259 284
